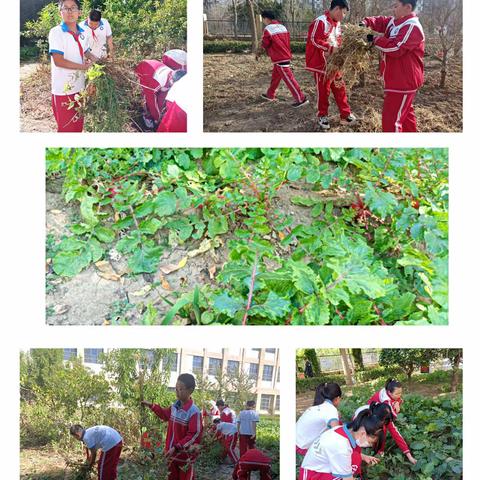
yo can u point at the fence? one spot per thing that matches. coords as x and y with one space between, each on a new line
333 363
226 29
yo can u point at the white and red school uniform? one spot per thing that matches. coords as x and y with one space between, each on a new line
382 396
245 421
97 37
313 422
334 455
67 83
184 430
176 59
324 34
176 107
228 435
403 48
212 412
252 460
276 42
155 80
110 442
228 415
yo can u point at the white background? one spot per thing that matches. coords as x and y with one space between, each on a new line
22 233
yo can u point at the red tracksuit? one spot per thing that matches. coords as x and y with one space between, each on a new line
175 118
252 460
184 430
382 396
108 462
324 34
227 415
403 48
229 443
276 42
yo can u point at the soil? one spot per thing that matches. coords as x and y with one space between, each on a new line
46 464
233 84
88 299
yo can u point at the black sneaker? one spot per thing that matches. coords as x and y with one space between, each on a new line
266 97
300 104
324 123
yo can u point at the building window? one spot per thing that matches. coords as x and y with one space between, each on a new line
69 353
270 350
277 402
197 365
233 367
253 371
267 373
173 358
266 402
214 366
92 355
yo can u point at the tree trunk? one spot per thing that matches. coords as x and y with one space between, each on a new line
346 367
443 72
253 25
455 372
235 19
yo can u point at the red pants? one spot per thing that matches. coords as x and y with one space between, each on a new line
301 451
180 471
246 442
242 471
108 462
398 114
337 87
284 72
68 120
229 444
305 474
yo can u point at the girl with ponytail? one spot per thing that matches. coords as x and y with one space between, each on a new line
391 395
338 452
317 419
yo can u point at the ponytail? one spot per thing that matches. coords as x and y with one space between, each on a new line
391 384
370 422
384 413
326 391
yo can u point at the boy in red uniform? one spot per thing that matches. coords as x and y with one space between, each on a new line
184 429
324 37
276 42
402 46
252 460
226 413
227 434
247 426
70 57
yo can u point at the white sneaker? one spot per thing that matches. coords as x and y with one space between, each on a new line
324 123
349 120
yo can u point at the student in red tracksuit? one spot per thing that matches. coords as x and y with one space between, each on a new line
391 394
338 452
252 460
227 434
103 438
324 37
402 46
247 426
276 42
184 429
177 104
226 413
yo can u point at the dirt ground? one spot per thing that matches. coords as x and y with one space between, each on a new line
89 299
233 84
46 464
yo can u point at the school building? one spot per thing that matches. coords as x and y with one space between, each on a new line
262 365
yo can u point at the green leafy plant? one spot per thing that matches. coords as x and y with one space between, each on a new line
373 248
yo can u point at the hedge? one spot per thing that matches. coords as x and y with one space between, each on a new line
241 46
310 384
